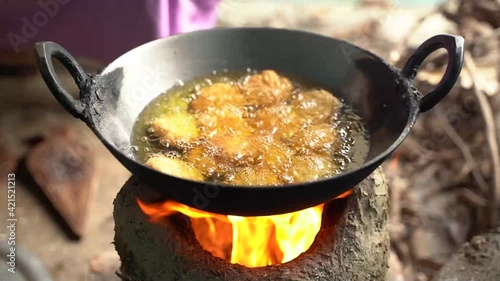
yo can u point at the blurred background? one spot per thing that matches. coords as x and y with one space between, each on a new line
444 181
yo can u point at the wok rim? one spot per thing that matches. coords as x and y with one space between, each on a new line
373 163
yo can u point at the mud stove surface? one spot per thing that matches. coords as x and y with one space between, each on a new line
352 244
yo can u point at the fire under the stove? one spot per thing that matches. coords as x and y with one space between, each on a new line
345 239
249 241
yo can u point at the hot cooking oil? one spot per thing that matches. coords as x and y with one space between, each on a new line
250 128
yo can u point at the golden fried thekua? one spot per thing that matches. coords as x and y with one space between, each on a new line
267 88
177 129
316 105
320 138
257 175
174 167
307 168
259 132
217 95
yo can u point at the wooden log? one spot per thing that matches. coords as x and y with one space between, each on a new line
477 260
353 243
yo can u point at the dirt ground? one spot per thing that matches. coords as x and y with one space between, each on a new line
477 260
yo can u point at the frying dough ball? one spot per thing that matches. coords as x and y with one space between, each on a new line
277 156
176 104
206 159
267 88
309 168
255 133
316 105
177 129
255 176
321 138
237 146
174 167
217 95
223 118
227 131
279 120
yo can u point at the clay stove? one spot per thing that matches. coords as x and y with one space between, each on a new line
352 242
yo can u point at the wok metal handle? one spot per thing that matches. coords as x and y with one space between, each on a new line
45 51
455 47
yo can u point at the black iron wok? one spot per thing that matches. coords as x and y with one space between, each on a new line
383 96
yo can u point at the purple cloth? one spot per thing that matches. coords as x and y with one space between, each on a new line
101 30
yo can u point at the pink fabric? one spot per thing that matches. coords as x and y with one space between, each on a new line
102 30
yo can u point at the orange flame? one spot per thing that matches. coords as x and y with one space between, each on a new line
249 241
394 163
